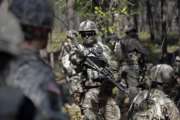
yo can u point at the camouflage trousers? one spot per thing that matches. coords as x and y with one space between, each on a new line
94 110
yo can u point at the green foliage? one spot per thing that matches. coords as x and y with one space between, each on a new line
144 36
104 17
55 41
84 8
105 13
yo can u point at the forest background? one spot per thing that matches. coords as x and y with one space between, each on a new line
157 21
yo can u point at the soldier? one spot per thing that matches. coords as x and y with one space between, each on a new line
30 73
129 43
92 78
131 55
72 77
14 105
153 103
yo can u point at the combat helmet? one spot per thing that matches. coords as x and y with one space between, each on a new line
88 25
36 13
35 16
162 73
10 33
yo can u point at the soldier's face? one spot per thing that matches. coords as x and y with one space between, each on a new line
133 56
90 40
89 37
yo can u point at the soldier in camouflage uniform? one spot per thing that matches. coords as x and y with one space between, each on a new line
153 103
72 77
30 73
92 79
131 56
67 50
14 105
167 73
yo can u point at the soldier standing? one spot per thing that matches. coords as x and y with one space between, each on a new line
92 83
131 55
72 77
30 73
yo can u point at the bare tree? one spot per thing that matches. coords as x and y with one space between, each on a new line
150 19
70 13
164 26
178 15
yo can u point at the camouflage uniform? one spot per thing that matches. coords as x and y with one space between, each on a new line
25 68
12 100
73 77
90 105
129 51
165 74
96 52
155 102
29 72
153 105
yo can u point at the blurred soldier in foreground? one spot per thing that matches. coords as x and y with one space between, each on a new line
30 73
14 105
153 103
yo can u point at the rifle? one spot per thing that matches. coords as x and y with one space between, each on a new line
105 71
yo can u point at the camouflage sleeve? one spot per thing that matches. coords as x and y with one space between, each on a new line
35 74
172 112
118 51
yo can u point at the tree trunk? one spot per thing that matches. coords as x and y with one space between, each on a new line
163 27
178 15
70 14
150 20
133 9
